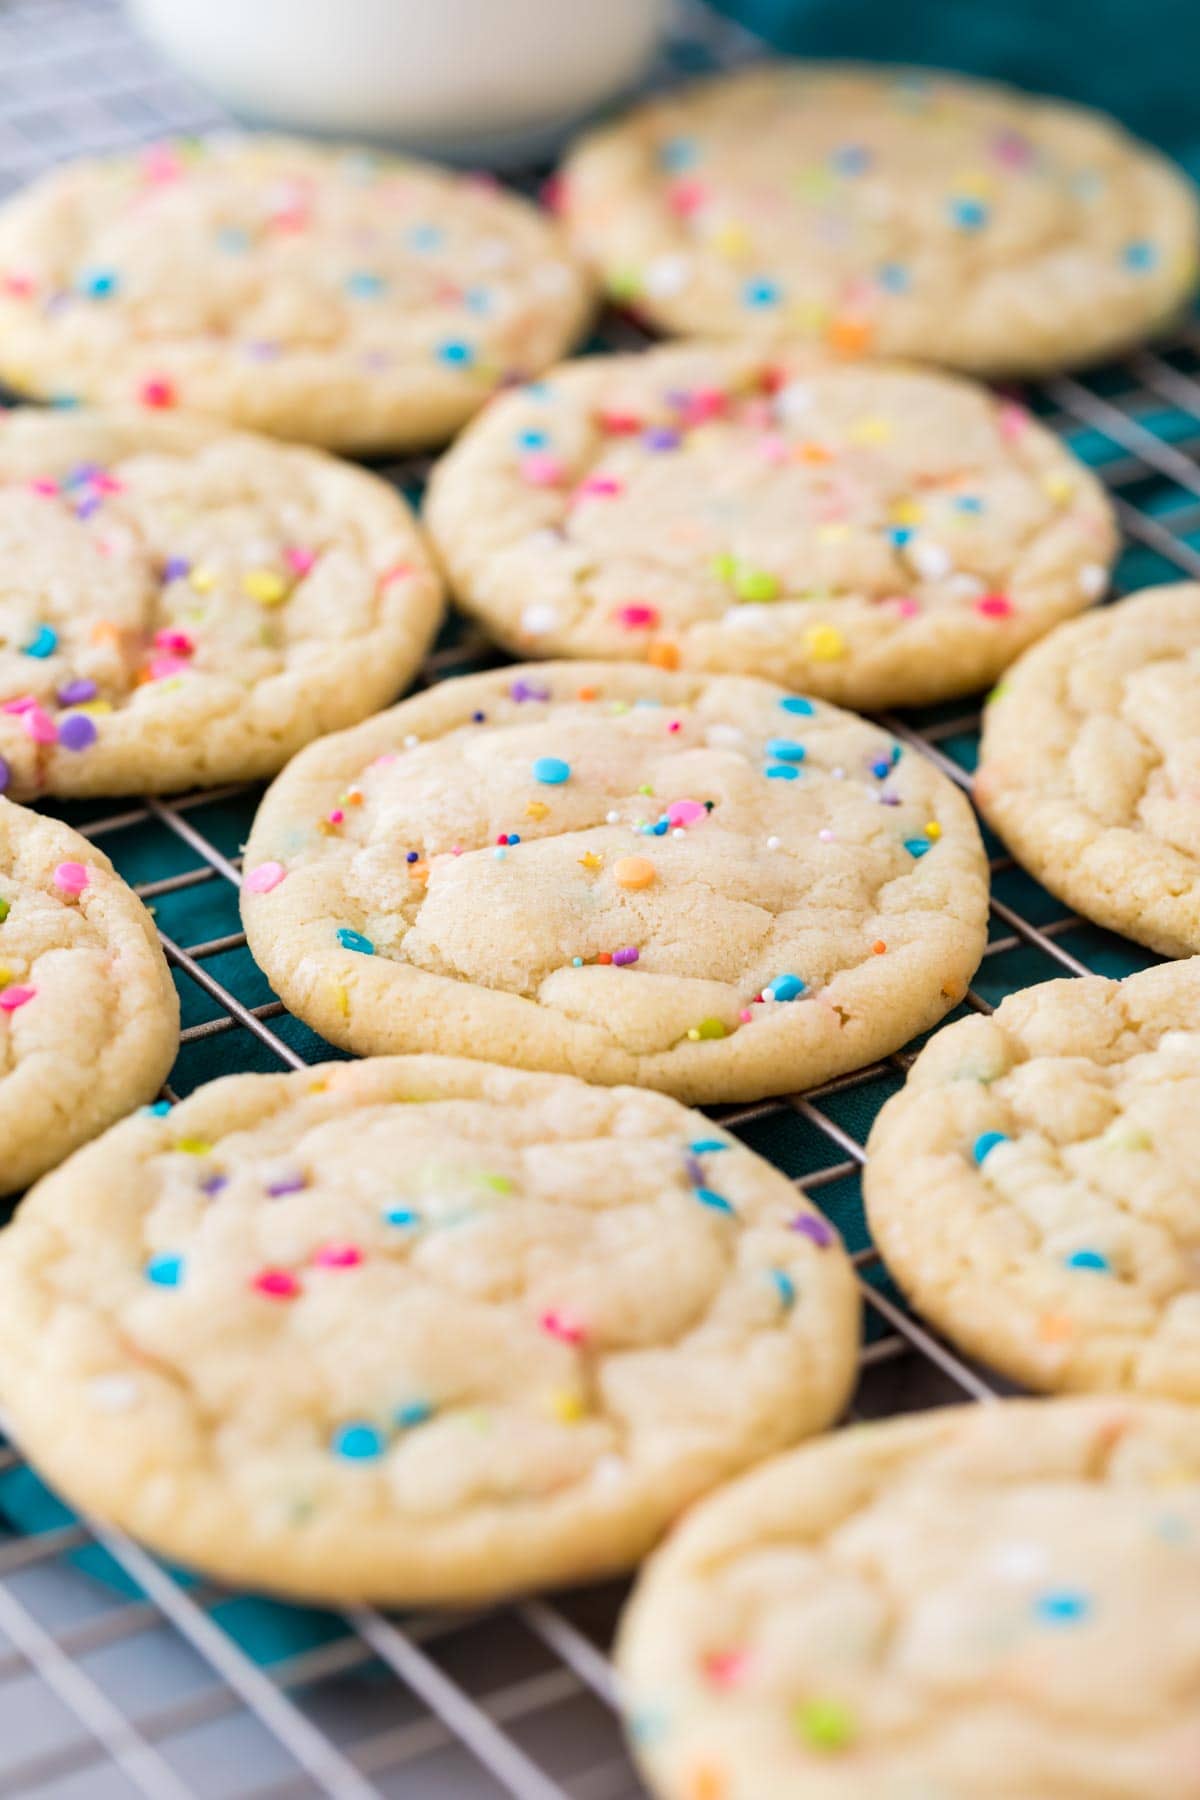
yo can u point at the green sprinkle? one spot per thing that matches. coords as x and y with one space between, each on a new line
825 1725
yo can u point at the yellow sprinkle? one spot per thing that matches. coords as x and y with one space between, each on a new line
94 706
905 512
1059 487
933 830
824 643
731 240
202 579
870 431
536 809
318 1087
342 1000
567 1406
6 976
589 860
693 1036
265 586
194 1146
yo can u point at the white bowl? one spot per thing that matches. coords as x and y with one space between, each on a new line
468 79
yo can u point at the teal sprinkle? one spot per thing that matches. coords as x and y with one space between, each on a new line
98 284
785 987
781 772
165 1270
786 750
158 1109
708 1146
795 703
455 352
552 771
917 846
414 1413
786 1288
717 1202
1062 1606
985 1143
43 643
401 1215
354 940
358 1442
1140 255
1089 1259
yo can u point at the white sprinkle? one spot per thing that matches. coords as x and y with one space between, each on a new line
838 774
1093 579
753 616
826 836
538 618
773 843
768 996
722 737
411 741
930 560
679 831
667 275
793 400
613 818
113 1393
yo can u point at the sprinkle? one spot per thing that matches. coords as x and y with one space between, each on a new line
786 750
1093 579
358 1442
725 1668
265 586
157 392
781 772
364 284
43 643
634 872
5 775
11 998
708 1146
557 1325
539 469
824 643
76 693
404 1216
795 703
165 1270
39 725
456 353
917 847
784 987
1061 1606
760 291
774 843
968 215
826 1725
893 277
354 940
985 1143
551 771
98 284
995 606
933 830
337 1256
567 1406
5 909
413 1412
191 1146
294 1183
202 580
716 1202
1139 255
661 437
785 1287
1089 1259
276 1284
622 958
755 586
636 616
72 877
266 876
76 733
816 1229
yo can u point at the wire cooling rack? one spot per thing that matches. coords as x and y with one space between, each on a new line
120 1677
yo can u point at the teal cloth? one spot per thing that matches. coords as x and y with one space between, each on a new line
1137 61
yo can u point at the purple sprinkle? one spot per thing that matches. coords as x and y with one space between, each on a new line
809 1225
889 799
212 1184
5 775
77 693
695 1171
81 474
287 1184
628 955
76 732
660 437
175 568
527 690
87 507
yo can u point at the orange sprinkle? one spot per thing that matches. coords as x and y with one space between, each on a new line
707 1783
849 337
105 632
604 957
1055 1328
587 693
663 654
536 809
810 452
878 947
634 872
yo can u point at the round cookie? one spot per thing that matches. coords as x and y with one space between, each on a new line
896 212
1033 1187
322 293
415 1329
184 605
699 884
986 1603
876 534
89 1017
1089 764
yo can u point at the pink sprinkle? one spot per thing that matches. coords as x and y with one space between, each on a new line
397 572
686 812
338 1256
268 875
39 725
161 668
22 704
725 1668
774 449
637 616
157 392
705 404
299 561
1013 421
599 485
43 485
995 606
160 164
906 607
277 1284
104 483
19 286
826 836
177 643
686 196
12 997
337 816
540 469
565 1330
72 877
745 1015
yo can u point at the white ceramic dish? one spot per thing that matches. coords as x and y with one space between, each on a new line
472 80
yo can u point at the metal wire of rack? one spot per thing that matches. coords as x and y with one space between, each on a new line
121 1677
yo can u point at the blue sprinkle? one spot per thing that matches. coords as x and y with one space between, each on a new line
894 277
917 846
358 1442
707 1146
532 439
412 856
1140 255
785 987
414 1413
158 1109
455 352
401 1215
1062 1606
165 1271
1089 1259
98 284
717 1202
781 772
677 154
899 535
881 769
354 940
762 292
969 215
365 285
551 770
660 828
985 1143
785 1287
43 643
786 750
795 703
968 503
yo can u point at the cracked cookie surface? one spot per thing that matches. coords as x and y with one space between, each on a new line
1090 766
879 535
897 212
993 1602
89 1018
184 605
415 1329
326 295
1033 1188
700 884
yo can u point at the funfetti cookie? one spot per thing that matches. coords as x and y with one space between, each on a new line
876 534
701 884
415 1329
892 212
185 605
1089 767
89 1017
1034 1186
324 294
993 1603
